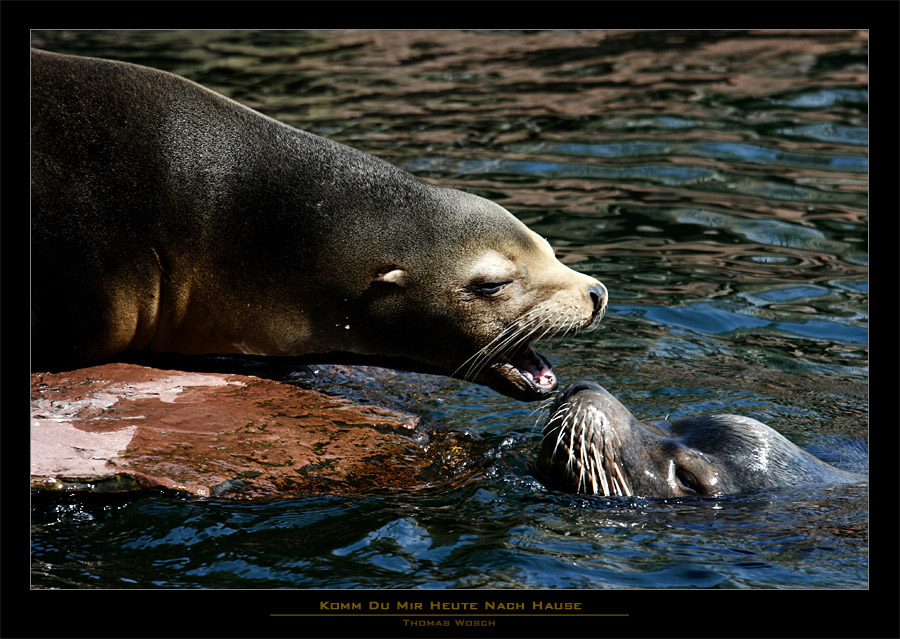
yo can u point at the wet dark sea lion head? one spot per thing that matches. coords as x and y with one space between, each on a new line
593 444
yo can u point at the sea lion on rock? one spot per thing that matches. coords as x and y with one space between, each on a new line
169 218
593 444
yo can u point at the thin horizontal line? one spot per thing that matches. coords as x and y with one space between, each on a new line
448 614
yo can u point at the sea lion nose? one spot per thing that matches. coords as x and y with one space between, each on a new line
597 293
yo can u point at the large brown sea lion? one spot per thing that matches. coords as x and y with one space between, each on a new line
168 218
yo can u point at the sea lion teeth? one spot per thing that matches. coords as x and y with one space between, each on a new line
532 367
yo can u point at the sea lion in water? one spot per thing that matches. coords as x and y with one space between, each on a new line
169 218
593 444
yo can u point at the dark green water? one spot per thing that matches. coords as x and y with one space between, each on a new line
716 182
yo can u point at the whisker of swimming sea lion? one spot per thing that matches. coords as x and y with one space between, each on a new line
582 457
560 432
558 416
539 413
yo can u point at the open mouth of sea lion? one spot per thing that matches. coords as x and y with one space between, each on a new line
522 373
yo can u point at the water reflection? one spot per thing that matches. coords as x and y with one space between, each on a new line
715 181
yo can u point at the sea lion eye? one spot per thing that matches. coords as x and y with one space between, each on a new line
686 480
489 288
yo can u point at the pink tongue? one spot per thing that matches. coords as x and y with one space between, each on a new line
535 369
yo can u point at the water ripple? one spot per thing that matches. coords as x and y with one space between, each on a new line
716 181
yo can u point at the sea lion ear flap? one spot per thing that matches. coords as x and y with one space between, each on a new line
394 276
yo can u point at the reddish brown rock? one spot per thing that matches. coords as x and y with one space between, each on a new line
122 427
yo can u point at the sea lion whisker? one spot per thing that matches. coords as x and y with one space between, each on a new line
563 325
582 454
552 329
616 489
559 324
543 406
587 446
608 455
500 341
511 335
600 458
525 335
561 431
550 434
558 416
532 326
490 349
602 470
538 417
592 473
572 440
561 328
626 488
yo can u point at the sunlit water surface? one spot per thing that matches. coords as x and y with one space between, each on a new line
716 182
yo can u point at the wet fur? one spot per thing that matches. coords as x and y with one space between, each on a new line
171 219
592 444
